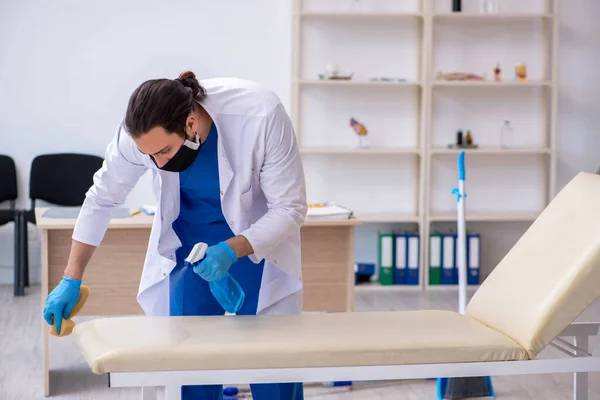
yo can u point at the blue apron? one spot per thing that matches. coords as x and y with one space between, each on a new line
201 220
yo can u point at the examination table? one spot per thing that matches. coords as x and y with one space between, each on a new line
528 302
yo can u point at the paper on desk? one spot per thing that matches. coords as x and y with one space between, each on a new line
73 212
328 210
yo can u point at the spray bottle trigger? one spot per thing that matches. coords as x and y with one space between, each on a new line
197 253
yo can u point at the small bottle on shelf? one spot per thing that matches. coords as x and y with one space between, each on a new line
459 138
497 73
456 6
506 135
488 6
469 138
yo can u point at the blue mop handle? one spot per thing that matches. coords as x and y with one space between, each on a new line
462 240
461 234
461 166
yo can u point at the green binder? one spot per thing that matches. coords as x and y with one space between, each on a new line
435 259
386 258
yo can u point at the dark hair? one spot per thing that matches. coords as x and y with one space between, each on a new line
163 102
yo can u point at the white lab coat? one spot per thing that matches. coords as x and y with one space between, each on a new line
263 193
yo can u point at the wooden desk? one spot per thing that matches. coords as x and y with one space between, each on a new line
115 269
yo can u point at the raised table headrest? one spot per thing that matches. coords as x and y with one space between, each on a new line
552 273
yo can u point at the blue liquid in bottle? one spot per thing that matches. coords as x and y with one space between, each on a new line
228 293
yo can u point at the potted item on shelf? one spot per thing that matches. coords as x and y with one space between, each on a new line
463 141
332 72
460 76
361 131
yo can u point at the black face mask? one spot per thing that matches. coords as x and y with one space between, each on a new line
184 157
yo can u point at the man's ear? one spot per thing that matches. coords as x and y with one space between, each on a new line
191 126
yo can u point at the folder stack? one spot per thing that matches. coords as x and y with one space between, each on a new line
399 258
443 267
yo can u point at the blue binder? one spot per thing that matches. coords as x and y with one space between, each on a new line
473 258
413 254
400 259
449 270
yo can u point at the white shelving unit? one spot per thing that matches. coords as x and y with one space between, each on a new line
406 176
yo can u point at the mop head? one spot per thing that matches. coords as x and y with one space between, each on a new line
465 388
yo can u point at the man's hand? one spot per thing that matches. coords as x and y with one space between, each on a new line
216 263
60 302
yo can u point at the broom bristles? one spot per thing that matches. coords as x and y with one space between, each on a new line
469 387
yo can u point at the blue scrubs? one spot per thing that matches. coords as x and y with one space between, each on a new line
201 220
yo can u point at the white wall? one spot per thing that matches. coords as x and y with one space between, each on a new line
67 69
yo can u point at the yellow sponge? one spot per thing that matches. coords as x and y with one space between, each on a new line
67 324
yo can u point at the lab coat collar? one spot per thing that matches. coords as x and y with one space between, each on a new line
225 170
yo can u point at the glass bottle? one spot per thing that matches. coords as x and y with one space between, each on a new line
488 6
506 135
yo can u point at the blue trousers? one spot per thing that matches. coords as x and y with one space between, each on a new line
190 295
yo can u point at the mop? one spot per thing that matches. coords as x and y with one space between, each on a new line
468 387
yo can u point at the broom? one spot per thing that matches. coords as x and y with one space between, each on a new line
465 387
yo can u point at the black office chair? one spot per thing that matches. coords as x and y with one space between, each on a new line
8 192
61 179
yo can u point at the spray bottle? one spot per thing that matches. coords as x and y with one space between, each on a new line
226 290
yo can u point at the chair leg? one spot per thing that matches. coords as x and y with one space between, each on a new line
25 253
19 289
24 247
17 259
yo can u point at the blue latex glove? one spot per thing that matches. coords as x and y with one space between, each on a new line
216 262
61 300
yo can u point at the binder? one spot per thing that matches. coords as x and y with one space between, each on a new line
435 258
401 259
412 263
449 271
386 259
473 258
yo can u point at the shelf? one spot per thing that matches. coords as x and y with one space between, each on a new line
490 83
411 161
492 150
356 151
492 17
450 288
375 286
359 15
386 217
487 216
358 83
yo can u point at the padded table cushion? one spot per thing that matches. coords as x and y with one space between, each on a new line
139 343
551 274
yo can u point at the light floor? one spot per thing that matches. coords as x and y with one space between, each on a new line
21 378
